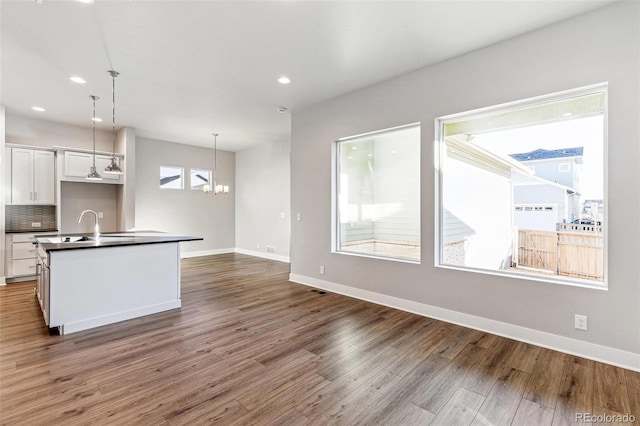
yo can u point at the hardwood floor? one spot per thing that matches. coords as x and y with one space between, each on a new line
249 347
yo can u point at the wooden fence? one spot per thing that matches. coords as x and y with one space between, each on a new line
573 254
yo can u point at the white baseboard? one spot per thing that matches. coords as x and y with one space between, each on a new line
184 255
608 355
265 255
3 281
271 256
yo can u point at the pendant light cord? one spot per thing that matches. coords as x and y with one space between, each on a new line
94 130
215 159
113 74
113 122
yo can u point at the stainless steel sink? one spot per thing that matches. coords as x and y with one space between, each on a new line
86 240
64 239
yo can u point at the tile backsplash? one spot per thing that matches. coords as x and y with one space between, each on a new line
22 218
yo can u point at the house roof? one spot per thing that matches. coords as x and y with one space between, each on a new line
544 154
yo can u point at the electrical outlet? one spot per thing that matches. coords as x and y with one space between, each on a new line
581 322
100 215
257 245
321 270
271 249
282 215
298 217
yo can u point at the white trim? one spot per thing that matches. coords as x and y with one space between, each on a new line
3 281
270 256
186 255
608 355
72 327
440 150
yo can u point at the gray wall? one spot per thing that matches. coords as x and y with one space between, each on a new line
36 132
185 211
263 182
78 196
593 48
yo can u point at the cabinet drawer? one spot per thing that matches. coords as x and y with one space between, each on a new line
23 238
23 251
24 267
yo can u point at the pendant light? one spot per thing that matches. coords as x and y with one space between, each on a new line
93 174
113 167
217 189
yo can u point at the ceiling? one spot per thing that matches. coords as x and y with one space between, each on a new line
191 68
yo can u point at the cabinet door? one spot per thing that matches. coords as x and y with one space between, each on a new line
21 176
7 175
103 161
77 164
44 177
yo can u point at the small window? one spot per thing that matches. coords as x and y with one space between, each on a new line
200 179
377 194
171 177
564 167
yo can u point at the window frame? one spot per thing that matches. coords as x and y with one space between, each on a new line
182 178
439 130
335 188
195 169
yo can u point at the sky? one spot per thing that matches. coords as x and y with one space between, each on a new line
587 132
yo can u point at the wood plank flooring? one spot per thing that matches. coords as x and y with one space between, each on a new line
250 348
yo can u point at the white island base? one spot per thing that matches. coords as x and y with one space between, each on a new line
103 285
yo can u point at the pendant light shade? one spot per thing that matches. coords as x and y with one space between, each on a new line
217 189
93 173
113 167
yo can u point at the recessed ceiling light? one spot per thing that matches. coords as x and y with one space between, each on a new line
97 119
86 1
37 108
77 79
284 80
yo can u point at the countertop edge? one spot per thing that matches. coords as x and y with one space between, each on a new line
128 239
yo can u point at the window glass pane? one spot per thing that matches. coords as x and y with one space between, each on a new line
171 177
378 194
200 179
521 189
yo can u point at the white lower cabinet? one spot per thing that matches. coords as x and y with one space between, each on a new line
20 259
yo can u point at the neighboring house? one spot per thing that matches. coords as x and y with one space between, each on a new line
477 230
552 195
593 210
563 166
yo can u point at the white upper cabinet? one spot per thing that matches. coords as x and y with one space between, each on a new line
32 177
78 164
7 175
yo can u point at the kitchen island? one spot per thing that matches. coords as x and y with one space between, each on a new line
86 281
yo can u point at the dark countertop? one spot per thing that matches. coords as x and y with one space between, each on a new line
112 239
30 231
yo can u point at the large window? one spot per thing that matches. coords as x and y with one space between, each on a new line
377 194
521 188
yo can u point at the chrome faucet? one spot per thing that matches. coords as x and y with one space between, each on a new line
96 232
